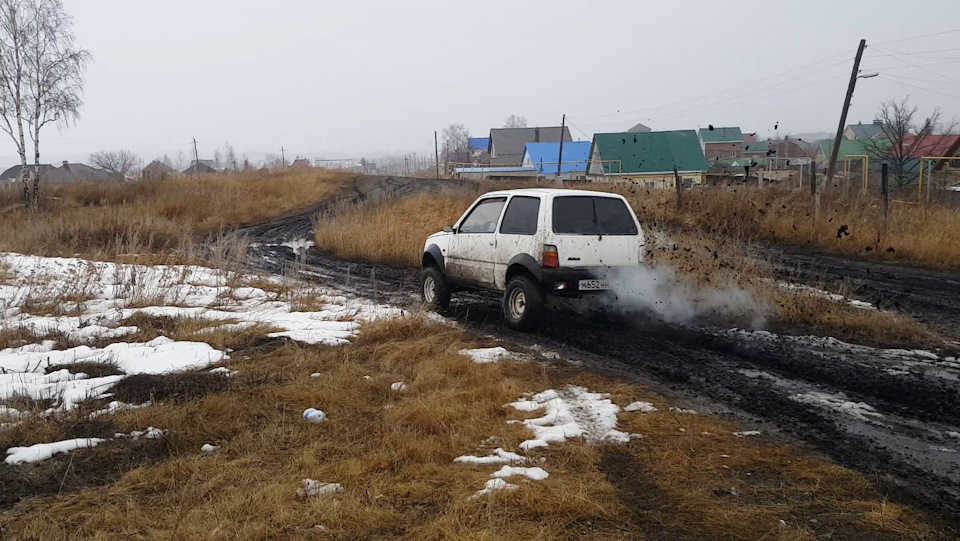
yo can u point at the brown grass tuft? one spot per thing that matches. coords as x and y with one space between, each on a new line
393 452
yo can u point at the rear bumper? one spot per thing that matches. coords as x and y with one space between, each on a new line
565 281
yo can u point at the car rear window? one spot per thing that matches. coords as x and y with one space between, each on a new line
521 216
590 215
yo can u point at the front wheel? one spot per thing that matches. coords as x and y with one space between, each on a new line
523 303
434 290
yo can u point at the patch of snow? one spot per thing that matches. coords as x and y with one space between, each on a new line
498 456
298 246
316 375
224 370
545 353
838 403
150 433
747 433
115 406
486 355
43 451
954 435
681 410
826 294
398 387
314 415
535 473
570 413
492 485
643 407
310 488
207 448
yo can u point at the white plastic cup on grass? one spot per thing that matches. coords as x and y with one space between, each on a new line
314 415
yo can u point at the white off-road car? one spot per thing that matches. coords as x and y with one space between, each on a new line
532 243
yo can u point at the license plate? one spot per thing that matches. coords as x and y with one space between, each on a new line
594 285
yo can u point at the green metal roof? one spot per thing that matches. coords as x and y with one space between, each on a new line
721 135
651 152
849 147
866 131
756 147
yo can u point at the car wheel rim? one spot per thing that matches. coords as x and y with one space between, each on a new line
429 290
517 303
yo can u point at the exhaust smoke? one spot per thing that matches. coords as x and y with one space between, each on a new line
660 293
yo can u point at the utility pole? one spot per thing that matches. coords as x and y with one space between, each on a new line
846 107
196 157
563 127
283 158
436 152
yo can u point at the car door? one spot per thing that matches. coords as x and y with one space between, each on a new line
518 234
470 259
595 231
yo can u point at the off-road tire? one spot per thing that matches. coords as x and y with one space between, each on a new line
439 300
524 303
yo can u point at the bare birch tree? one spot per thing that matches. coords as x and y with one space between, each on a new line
41 75
515 121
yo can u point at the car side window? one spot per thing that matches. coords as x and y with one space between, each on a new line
521 216
483 218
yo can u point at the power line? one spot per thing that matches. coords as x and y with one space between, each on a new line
731 89
916 37
909 63
920 87
918 80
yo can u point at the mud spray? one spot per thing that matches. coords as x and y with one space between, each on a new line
661 294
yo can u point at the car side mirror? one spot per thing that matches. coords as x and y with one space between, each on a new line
448 229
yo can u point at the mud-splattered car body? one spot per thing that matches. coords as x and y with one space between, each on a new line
531 243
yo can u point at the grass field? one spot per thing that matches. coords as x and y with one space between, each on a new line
153 220
392 232
393 452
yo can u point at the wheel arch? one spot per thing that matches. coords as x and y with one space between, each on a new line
432 256
524 264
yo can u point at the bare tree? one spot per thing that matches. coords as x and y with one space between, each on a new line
225 157
14 39
904 138
515 121
119 163
456 140
274 162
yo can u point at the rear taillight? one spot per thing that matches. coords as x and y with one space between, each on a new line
551 259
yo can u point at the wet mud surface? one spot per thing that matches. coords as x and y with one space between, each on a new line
891 414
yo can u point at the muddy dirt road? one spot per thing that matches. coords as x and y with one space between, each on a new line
892 414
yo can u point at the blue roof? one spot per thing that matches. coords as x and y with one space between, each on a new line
575 156
478 143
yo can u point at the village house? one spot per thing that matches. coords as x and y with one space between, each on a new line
860 131
507 144
66 173
721 143
545 157
648 158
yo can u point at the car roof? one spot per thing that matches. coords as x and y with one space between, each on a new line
550 191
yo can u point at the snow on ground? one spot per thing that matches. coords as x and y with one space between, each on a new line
82 300
43 451
535 473
498 456
492 485
570 413
310 488
486 355
858 410
825 294
747 433
207 448
643 407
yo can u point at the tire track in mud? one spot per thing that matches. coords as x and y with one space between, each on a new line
914 399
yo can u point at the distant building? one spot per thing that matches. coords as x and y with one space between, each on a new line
545 157
156 170
66 173
203 167
301 164
721 143
860 131
507 144
639 128
477 146
648 158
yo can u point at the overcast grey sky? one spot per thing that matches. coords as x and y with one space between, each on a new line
324 78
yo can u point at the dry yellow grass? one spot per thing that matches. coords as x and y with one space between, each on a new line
927 234
153 218
393 453
390 232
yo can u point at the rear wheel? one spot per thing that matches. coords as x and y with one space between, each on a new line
523 303
434 289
